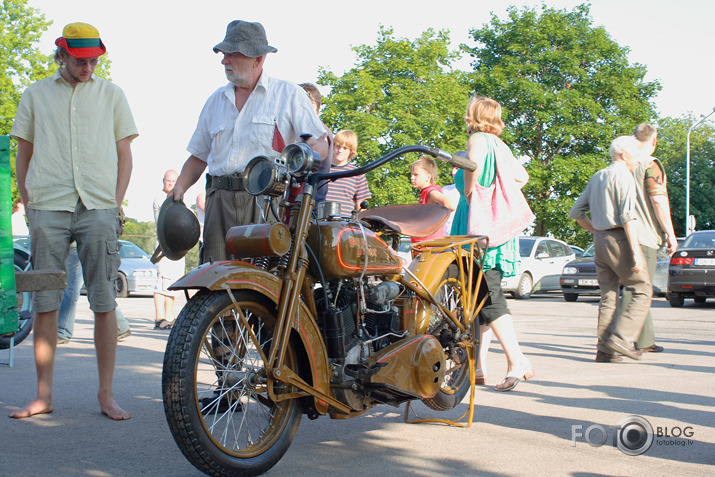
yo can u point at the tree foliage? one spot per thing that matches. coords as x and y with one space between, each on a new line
567 90
21 27
400 92
672 151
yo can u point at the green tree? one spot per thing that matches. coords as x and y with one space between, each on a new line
400 92
21 27
672 151
567 90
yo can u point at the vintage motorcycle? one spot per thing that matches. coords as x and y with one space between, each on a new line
319 316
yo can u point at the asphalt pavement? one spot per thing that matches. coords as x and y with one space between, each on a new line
540 428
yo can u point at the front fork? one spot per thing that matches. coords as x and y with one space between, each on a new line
293 277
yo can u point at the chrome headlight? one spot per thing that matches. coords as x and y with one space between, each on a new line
266 176
570 271
300 159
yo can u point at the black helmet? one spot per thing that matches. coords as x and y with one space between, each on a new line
177 229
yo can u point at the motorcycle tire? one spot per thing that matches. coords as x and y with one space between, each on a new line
24 311
216 398
456 379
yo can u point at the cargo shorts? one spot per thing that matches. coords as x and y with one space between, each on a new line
95 232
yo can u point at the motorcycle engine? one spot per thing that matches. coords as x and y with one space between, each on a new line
358 321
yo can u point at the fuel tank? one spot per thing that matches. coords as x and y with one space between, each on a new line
342 248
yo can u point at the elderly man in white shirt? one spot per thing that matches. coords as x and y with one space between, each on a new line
252 115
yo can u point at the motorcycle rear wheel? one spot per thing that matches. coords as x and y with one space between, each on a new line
456 379
215 394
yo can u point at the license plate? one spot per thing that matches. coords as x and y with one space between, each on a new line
590 283
705 261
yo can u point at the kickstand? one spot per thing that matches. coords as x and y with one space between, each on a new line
469 414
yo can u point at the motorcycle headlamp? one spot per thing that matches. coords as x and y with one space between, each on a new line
300 159
266 176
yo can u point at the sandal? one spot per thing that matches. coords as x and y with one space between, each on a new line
525 372
479 376
162 325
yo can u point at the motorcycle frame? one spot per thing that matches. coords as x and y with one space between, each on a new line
296 314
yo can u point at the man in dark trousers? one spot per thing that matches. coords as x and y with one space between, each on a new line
610 197
252 115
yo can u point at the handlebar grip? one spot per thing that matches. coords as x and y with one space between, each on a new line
463 163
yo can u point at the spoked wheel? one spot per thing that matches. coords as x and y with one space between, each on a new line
215 386
456 379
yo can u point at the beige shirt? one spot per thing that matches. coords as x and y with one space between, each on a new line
610 197
74 133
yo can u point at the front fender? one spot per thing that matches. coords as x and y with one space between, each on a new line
235 275
230 274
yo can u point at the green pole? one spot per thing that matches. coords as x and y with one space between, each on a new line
8 296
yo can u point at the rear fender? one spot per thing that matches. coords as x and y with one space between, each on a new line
237 275
429 268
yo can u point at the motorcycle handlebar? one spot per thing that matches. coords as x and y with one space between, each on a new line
454 160
462 163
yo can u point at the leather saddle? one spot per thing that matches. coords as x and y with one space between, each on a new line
413 220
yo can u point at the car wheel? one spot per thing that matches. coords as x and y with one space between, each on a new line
523 290
676 300
699 299
121 286
570 296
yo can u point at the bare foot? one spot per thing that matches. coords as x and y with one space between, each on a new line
38 406
111 409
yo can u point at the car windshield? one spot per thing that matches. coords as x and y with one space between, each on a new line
129 250
700 240
588 252
526 244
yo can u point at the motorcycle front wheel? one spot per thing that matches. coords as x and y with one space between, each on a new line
456 380
215 388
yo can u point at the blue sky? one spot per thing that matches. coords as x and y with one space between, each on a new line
162 57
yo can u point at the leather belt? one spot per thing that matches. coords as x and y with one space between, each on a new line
234 182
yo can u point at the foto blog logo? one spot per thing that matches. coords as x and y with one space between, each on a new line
633 435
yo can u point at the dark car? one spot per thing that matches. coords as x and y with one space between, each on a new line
579 276
692 269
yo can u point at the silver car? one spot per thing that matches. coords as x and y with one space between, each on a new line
136 272
542 259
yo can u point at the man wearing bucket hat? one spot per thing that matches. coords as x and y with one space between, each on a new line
252 115
74 161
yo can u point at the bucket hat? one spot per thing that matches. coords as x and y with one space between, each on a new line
247 38
177 230
81 40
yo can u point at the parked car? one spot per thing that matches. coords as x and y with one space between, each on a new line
578 251
692 269
542 260
404 250
136 272
579 276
